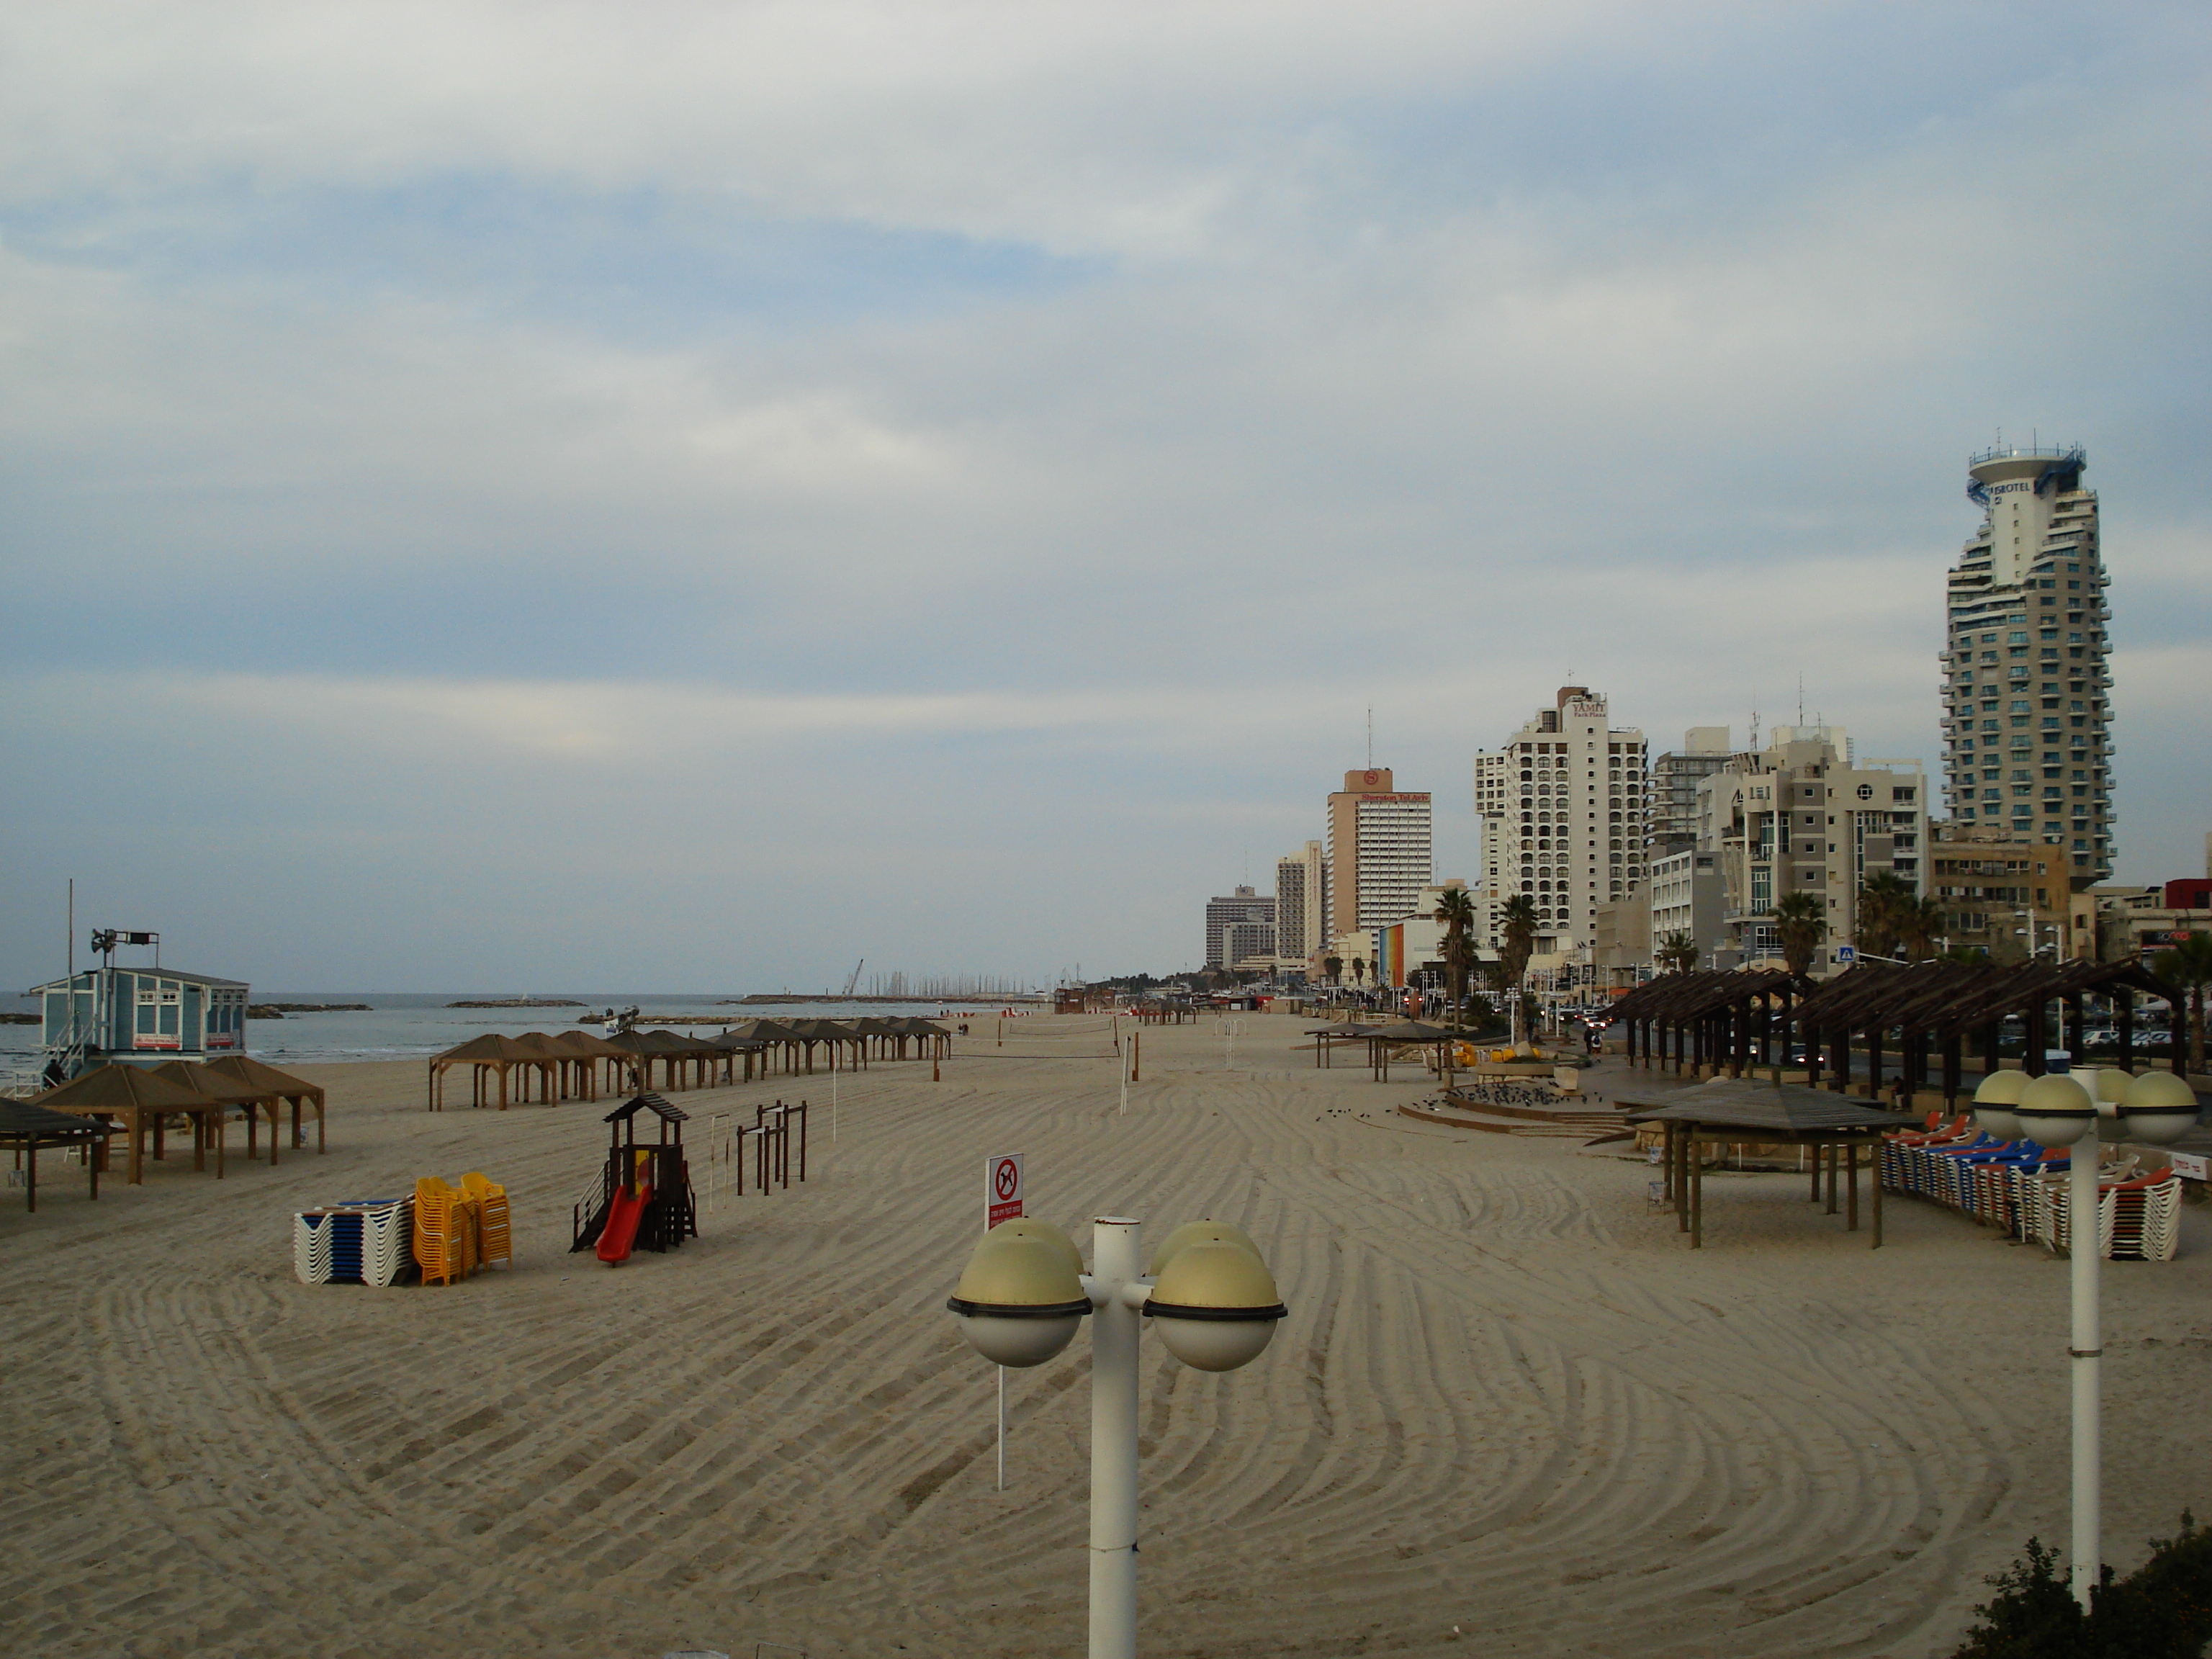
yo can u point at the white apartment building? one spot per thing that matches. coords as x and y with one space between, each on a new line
1799 816
2026 692
1562 812
1301 902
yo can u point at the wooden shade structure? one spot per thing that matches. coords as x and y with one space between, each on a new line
294 1091
232 1091
1727 1020
584 1054
1408 1033
141 1100
26 1128
1327 1037
485 1056
1726 1111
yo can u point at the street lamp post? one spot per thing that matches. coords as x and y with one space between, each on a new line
2056 1110
1210 1298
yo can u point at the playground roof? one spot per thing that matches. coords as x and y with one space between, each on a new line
653 1103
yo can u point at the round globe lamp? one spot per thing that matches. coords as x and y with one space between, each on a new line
1198 1232
1995 1100
2160 1108
1215 1305
2056 1110
1019 1301
1030 1227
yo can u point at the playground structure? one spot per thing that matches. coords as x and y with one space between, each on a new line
644 1198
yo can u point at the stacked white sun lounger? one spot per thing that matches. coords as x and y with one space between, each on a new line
357 1242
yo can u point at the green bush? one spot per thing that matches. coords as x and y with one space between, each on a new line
2162 1610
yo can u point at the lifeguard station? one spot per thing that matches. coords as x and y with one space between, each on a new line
644 1198
139 1016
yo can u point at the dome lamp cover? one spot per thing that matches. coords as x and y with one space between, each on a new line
1019 1301
2160 1108
1215 1305
1994 1101
2056 1110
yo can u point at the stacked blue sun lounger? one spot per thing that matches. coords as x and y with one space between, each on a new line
354 1242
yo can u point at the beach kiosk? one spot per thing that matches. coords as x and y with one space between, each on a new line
139 1016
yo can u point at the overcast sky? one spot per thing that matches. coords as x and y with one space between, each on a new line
560 497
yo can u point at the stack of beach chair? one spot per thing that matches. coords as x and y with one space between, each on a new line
495 1243
2022 1188
359 1242
460 1229
445 1232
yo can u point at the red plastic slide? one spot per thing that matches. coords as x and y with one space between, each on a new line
621 1231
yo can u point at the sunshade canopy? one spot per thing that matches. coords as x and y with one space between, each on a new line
1756 1107
117 1088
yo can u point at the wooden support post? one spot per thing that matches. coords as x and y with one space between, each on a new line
1877 1196
1696 1197
1828 1153
1851 1187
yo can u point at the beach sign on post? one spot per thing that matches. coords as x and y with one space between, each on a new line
1002 1188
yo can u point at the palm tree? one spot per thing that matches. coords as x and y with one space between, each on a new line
1359 970
2188 968
1334 966
1885 900
1804 923
1517 944
1677 953
1455 909
1920 922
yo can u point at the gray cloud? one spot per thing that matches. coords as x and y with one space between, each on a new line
931 452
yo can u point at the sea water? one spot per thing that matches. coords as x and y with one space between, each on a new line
396 1026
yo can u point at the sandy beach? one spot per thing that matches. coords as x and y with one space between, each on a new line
1508 1398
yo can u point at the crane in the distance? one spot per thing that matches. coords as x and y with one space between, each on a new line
854 979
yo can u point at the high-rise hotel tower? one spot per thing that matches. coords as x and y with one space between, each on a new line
2026 692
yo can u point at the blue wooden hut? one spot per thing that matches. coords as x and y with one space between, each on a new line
145 1015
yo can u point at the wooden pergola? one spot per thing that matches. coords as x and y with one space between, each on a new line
484 1056
584 1055
1726 1111
26 1128
1408 1034
251 1099
142 1101
1724 1020
1326 1038
1933 1007
279 1085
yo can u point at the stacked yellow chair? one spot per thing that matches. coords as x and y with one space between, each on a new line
445 1232
494 1241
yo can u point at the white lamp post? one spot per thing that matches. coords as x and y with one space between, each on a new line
1209 1295
2057 1111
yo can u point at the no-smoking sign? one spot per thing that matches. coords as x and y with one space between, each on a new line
1002 1188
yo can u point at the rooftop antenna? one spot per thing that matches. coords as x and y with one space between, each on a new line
1800 699
1754 722
1370 736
